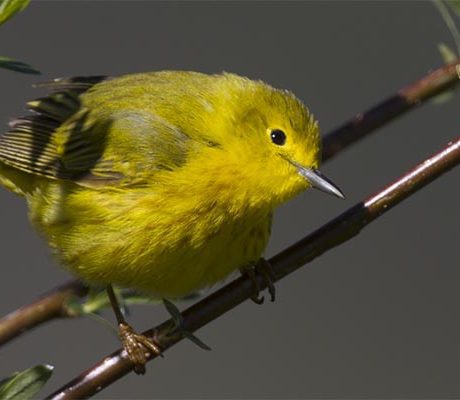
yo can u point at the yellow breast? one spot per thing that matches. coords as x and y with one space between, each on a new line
146 241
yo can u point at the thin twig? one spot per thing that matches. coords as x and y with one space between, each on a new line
336 232
347 134
403 100
50 305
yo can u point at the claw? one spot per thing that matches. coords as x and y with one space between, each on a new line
137 347
263 268
266 270
250 272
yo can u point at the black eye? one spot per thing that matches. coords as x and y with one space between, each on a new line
278 137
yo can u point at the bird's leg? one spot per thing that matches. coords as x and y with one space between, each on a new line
250 272
137 346
178 328
263 268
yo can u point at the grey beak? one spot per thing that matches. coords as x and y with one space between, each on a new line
319 181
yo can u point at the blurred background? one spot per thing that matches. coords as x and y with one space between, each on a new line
376 317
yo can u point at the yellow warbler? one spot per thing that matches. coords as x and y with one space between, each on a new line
164 182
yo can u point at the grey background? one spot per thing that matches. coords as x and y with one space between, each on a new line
377 317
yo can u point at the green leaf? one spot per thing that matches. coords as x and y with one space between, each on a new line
446 14
18 66
195 340
455 6
448 55
8 8
97 300
26 384
131 298
174 312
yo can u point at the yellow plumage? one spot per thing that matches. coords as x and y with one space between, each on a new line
164 182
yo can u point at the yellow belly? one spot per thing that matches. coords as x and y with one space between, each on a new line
146 242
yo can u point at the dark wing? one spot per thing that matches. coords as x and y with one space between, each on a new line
66 140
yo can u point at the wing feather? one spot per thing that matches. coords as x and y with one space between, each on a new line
64 139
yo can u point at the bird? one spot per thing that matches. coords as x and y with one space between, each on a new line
164 182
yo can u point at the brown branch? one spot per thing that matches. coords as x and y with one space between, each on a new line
350 132
49 306
336 232
403 100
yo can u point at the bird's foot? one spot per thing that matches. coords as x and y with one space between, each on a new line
138 347
264 269
178 325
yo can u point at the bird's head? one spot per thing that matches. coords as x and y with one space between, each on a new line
273 141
